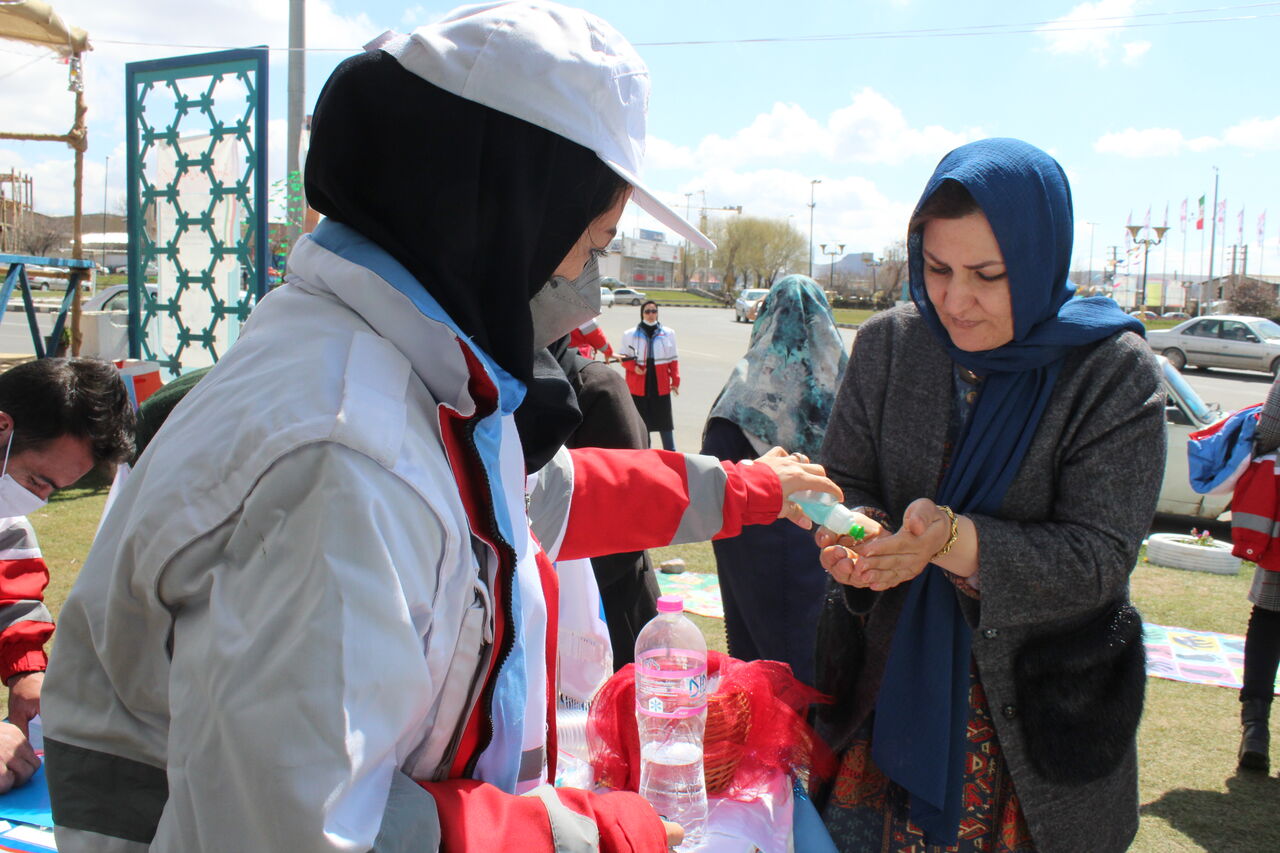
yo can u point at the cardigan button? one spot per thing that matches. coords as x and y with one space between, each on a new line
991 633
1009 711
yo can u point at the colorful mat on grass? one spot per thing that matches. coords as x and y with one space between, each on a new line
1179 654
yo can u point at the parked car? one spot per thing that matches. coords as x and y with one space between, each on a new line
628 295
114 297
1185 413
747 300
606 297
1176 315
1144 316
1221 340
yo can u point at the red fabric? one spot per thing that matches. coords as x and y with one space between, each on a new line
648 492
551 595
668 376
1255 507
23 579
469 474
477 816
774 736
22 643
589 343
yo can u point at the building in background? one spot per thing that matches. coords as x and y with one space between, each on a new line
646 259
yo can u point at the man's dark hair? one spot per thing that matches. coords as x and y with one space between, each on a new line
82 397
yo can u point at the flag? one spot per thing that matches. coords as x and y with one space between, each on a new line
1262 227
1240 226
1200 220
1166 214
1222 213
1127 236
1183 224
1146 223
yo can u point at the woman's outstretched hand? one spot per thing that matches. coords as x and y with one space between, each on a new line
883 562
797 474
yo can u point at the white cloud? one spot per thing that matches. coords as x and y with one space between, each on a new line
1256 134
873 130
868 130
1089 29
1152 142
34 99
1135 50
786 129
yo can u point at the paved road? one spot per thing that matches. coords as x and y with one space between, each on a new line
15 336
710 343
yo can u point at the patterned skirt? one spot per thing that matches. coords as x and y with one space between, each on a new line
868 812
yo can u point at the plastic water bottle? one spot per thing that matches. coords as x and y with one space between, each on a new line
823 509
671 711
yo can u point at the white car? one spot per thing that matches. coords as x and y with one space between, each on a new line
628 295
746 300
1221 340
606 297
1185 413
114 297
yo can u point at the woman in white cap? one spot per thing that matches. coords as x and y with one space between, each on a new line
317 619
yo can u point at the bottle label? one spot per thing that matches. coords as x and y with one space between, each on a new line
671 683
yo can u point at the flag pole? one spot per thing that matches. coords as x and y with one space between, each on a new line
1213 235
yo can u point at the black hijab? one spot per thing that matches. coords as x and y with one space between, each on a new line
478 205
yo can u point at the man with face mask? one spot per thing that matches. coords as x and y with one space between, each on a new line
58 418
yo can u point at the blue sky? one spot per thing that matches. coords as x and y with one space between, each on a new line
1138 100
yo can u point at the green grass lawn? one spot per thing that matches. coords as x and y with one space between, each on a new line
676 297
1192 797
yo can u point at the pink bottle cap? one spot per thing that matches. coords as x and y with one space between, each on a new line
670 604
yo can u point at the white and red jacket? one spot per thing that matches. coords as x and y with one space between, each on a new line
25 623
316 618
1255 513
589 339
635 355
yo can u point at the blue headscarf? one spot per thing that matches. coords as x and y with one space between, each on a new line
781 392
923 705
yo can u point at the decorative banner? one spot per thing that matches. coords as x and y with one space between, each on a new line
701 592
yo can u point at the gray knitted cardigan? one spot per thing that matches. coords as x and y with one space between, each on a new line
1064 691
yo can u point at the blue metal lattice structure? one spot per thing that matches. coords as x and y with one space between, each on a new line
202 118
77 271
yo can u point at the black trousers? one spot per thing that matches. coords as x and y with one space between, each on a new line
1261 654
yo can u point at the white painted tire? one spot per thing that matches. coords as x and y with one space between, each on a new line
1169 549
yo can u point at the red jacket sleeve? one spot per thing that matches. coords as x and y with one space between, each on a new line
478 816
630 500
673 372
23 577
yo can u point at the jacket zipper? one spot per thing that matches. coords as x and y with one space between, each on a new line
507 554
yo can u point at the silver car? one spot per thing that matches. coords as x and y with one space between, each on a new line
746 299
1185 413
1226 340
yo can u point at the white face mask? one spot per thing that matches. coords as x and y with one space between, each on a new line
561 306
14 498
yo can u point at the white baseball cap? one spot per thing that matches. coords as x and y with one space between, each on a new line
562 69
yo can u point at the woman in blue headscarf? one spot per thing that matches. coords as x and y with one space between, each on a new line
779 395
1009 438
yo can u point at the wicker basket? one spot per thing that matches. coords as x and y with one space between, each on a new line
728 725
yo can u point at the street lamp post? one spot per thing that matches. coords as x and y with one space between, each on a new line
832 254
1146 243
812 205
106 170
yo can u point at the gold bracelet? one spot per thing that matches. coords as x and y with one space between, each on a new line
954 535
